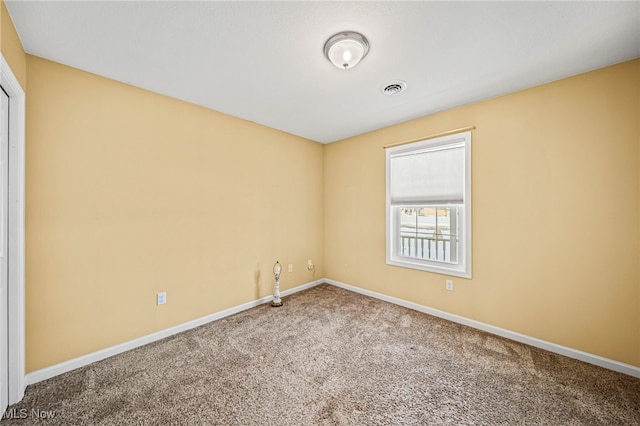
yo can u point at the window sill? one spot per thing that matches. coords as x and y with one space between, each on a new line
443 270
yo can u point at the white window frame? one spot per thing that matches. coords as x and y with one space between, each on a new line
463 267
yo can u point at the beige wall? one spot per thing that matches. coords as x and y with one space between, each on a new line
130 193
11 47
555 213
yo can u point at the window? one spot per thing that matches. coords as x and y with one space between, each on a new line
429 205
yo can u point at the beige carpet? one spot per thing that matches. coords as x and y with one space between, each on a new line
333 357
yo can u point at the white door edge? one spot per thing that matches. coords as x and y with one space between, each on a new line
16 209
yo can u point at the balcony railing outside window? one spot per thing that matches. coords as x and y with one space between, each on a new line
429 233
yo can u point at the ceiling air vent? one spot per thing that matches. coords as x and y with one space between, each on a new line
393 87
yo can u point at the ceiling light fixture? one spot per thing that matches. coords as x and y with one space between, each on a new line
346 49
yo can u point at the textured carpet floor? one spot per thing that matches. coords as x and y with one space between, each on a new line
333 357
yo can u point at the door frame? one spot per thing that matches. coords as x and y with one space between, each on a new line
16 232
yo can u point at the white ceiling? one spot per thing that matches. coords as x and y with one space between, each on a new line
263 61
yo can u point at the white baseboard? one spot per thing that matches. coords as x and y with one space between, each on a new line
72 364
542 344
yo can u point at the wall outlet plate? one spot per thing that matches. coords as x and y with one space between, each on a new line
449 285
161 298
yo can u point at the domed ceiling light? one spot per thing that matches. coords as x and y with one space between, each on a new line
346 49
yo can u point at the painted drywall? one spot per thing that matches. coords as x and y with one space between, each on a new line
11 47
130 193
555 213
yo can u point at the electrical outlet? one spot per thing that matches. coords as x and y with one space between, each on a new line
449 285
161 298
291 267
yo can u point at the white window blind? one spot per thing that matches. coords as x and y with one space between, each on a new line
432 176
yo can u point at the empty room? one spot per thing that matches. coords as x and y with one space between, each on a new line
319 213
